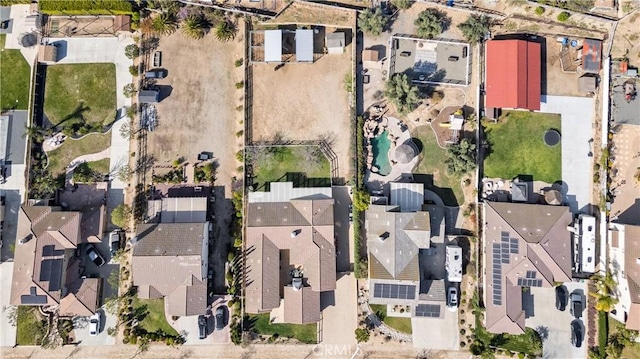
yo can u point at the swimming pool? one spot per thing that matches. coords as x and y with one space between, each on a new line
381 145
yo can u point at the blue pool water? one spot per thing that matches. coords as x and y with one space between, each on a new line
381 145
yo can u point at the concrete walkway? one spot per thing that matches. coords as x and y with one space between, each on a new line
19 14
82 159
577 115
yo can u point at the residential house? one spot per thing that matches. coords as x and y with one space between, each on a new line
290 250
170 261
624 259
513 74
526 245
406 260
48 264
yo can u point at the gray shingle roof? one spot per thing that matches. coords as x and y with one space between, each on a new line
169 239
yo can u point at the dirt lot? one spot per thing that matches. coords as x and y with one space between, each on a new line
200 113
303 102
626 206
626 39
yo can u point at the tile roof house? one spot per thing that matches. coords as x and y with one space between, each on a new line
625 260
398 235
526 245
290 252
46 269
170 260
513 74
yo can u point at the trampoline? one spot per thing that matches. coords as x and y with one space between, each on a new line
551 138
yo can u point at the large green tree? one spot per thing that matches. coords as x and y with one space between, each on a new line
430 23
401 4
475 27
120 215
164 24
193 27
401 93
372 21
461 157
225 31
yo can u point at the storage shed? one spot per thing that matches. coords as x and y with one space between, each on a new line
335 43
148 96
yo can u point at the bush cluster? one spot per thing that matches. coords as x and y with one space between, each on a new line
94 7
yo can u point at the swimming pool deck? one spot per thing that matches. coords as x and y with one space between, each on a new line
375 181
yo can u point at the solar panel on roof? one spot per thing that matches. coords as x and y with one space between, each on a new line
531 274
394 291
427 310
55 279
377 290
48 250
45 270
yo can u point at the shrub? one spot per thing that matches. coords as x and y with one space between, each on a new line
231 256
95 7
462 331
239 85
463 344
129 90
125 340
239 62
132 51
362 335
133 70
372 21
540 10
563 16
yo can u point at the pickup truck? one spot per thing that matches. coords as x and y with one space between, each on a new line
576 305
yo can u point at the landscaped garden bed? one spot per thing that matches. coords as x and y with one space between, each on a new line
60 158
261 324
401 324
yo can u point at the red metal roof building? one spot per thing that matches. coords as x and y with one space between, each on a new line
513 74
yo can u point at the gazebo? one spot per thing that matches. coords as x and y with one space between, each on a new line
406 152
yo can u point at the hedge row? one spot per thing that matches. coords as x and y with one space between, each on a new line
94 7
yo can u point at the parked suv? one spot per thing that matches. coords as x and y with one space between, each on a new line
576 334
219 318
452 299
576 305
155 74
202 326
114 242
561 298
94 255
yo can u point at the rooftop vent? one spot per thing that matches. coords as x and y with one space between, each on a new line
295 233
297 283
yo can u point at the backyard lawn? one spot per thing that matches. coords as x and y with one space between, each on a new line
80 93
14 78
30 326
432 162
518 148
527 343
60 158
400 324
154 320
305 166
307 333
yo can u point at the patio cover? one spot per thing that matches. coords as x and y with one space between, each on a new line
273 46
304 45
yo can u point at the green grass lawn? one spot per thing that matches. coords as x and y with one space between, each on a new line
14 78
154 320
60 158
518 148
432 162
80 92
307 333
31 328
284 164
400 324
101 166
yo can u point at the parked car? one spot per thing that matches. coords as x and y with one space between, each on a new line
156 74
576 305
561 298
94 324
219 318
452 299
453 58
114 241
93 254
202 326
576 334
350 213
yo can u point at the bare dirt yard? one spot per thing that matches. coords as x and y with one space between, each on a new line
305 102
199 113
626 38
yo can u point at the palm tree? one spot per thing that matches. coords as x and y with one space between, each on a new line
164 24
193 27
605 292
604 303
475 28
430 23
34 133
225 31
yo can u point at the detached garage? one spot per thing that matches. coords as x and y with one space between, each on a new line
513 74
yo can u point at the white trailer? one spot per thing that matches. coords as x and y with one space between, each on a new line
453 263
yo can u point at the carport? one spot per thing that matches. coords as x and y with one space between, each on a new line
273 46
304 45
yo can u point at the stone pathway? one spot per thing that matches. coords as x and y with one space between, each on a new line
82 159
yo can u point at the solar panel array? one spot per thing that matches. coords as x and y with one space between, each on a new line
530 280
33 298
427 310
51 271
502 252
394 291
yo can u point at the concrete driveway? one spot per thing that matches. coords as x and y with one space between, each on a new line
446 337
577 115
556 323
339 314
81 330
188 326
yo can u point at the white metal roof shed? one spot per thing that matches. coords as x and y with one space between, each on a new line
273 46
304 45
